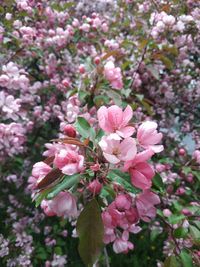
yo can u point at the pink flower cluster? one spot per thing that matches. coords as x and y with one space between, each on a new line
63 205
9 105
116 123
12 138
132 154
122 216
13 77
113 75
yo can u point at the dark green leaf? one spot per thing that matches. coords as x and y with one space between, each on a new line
84 128
195 234
171 262
123 179
186 259
173 219
41 196
67 182
158 182
180 232
90 230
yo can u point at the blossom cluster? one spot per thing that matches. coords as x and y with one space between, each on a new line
66 60
116 149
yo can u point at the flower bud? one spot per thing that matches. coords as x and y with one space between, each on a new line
95 187
181 152
81 69
69 131
167 212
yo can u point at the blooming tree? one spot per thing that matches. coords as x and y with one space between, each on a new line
110 89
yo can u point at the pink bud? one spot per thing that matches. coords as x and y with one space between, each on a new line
95 167
186 212
81 69
189 178
70 131
181 152
167 212
65 82
97 60
95 187
180 191
170 189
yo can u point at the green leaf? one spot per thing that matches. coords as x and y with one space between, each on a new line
171 262
154 71
168 63
154 234
90 230
101 100
186 170
116 97
84 128
176 218
107 191
186 259
195 234
180 232
58 250
123 179
158 182
196 174
41 196
139 97
67 182
100 134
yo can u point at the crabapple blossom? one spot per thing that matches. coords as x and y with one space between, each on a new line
40 170
69 161
141 172
115 150
113 75
148 137
196 156
64 204
145 205
115 120
121 245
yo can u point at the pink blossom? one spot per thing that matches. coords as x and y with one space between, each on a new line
64 204
123 202
95 167
148 136
70 162
95 187
4 80
113 75
196 156
40 170
47 210
145 205
121 245
114 119
141 172
109 235
9 104
115 150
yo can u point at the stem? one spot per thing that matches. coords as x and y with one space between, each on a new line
106 257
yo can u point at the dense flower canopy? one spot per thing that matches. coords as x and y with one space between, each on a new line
99 129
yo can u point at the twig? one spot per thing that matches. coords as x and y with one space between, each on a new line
106 257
